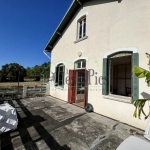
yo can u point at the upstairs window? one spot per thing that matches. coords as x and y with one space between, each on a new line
81 28
59 81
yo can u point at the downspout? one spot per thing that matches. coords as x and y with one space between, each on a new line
46 54
48 85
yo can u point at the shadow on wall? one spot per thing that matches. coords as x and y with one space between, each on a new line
145 95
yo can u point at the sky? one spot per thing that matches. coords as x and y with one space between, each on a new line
26 27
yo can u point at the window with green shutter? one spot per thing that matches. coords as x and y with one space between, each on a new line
118 78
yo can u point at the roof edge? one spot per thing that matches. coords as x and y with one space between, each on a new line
55 32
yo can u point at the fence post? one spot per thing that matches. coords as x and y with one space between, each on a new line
24 91
47 89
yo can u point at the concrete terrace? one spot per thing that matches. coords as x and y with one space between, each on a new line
46 123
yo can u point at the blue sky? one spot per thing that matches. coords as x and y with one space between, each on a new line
25 28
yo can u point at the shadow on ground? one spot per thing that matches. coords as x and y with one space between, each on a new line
30 132
48 123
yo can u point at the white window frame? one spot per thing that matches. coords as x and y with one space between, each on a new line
58 75
134 80
81 20
120 54
81 63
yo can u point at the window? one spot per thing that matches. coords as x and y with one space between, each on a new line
80 64
120 74
118 78
81 28
59 80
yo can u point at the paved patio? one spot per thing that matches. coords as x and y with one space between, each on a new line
46 123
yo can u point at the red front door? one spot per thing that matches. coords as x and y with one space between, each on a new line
72 86
77 87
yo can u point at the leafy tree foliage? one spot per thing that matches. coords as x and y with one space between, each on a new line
38 71
12 72
2 77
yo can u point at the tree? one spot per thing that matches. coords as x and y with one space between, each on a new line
28 72
13 72
140 103
2 77
35 72
45 72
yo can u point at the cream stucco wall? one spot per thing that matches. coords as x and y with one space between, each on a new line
110 26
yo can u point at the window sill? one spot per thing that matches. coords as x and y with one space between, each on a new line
59 87
119 98
81 39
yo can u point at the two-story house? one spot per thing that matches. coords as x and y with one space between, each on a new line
93 50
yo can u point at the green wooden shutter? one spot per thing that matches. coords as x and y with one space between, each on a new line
105 77
135 80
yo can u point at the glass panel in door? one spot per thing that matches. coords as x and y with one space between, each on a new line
80 88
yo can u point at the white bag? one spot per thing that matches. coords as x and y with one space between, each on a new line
8 118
